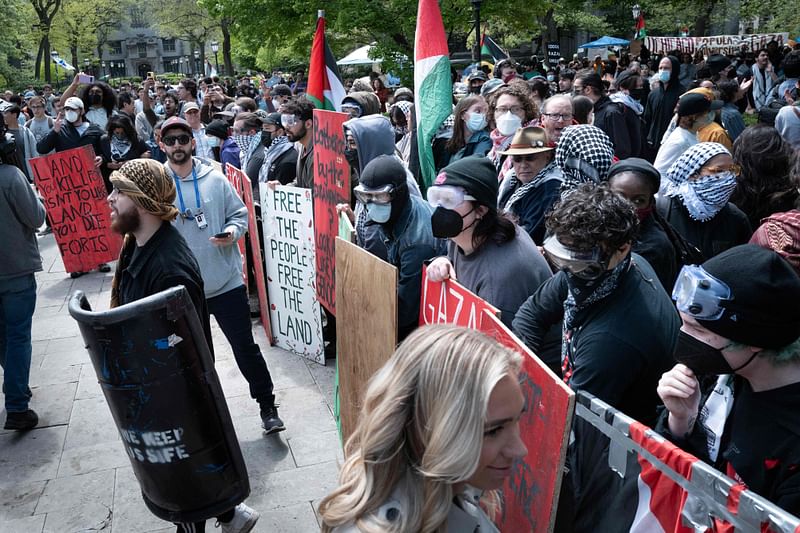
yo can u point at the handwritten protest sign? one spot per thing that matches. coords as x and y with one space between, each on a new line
289 249
714 44
235 175
448 302
75 200
530 494
331 187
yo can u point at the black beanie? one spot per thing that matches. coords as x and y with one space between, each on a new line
381 171
764 310
218 128
639 166
476 175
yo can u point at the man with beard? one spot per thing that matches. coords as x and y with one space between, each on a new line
660 105
155 257
212 219
297 119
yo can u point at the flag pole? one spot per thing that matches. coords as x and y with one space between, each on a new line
320 13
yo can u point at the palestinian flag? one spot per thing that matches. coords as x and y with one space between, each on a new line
491 51
325 88
433 100
641 31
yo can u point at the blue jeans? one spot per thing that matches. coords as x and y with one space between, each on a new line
17 302
232 311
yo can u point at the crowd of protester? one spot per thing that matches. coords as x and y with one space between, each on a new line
632 231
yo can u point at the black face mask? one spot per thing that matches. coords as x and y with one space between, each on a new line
266 138
352 157
447 223
95 99
638 94
701 358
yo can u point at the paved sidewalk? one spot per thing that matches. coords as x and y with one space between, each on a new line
71 473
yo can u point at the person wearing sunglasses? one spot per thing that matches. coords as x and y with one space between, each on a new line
741 335
486 252
618 326
405 224
534 183
695 200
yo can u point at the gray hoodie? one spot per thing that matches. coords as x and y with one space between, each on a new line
220 266
21 213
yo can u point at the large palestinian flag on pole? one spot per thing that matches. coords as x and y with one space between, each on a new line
325 88
432 86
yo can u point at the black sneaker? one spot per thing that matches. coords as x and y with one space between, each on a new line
46 231
74 275
270 420
104 267
21 421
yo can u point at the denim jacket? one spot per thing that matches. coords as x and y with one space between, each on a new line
409 243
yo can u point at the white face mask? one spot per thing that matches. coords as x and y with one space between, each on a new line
71 116
508 124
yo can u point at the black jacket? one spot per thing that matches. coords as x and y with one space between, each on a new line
69 138
625 132
654 245
661 106
619 346
727 229
165 261
137 149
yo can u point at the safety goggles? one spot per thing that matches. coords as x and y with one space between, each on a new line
699 294
588 264
180 139
289 120
383 195
447 196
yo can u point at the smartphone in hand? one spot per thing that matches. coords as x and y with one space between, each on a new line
85 78
223 235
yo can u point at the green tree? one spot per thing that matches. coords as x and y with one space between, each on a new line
15 46
186 20
45 12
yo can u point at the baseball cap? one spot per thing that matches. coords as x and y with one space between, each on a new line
74 102
175 122
190 106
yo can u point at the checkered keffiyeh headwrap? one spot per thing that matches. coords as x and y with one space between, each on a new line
781 232
703 197
147 183
584 153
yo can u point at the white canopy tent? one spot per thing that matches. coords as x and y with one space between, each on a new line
359 56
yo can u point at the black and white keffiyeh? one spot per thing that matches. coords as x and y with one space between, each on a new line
584 153
704 196
278 146
522 189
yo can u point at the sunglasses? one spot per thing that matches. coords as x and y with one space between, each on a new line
180 139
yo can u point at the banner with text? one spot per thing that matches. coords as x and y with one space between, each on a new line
75 200
331 187
715 44
289 248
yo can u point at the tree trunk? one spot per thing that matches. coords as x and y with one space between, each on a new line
702 24
73 52
38 71
46 55
226 47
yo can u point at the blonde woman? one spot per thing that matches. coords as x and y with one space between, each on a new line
439 425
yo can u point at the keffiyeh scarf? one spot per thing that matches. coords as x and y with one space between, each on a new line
584 153
705 196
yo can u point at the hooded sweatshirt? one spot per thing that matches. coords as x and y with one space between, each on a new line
661 105
220 266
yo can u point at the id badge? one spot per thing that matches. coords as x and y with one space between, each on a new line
200 218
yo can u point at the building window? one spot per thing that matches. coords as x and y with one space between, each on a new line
142 48
137 17
115 47
169 45
171 65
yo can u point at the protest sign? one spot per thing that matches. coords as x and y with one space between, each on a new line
75 200
331 187
366 325
245 190
553 53
715 44
346 229
289 249
447 302
530 494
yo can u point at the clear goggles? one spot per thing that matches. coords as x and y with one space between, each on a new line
699 294
287 121
381 196
589 264
447 196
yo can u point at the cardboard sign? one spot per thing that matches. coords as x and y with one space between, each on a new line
245 189
331 187
530 494
715 44
553 54
447 302
288 222
346 229
75 200
368 288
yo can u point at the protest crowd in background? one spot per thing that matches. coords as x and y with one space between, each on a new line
632 231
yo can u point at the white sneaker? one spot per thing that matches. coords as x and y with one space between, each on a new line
244 519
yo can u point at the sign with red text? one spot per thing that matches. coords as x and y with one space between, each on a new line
331 187
75 200
530 494
244 187
288 221
447 302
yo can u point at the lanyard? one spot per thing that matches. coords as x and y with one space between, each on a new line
180 193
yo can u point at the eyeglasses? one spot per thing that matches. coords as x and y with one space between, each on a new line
447 196
558 117
289 120
383 195
523 158
699 294
590 264
180 139
514 109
